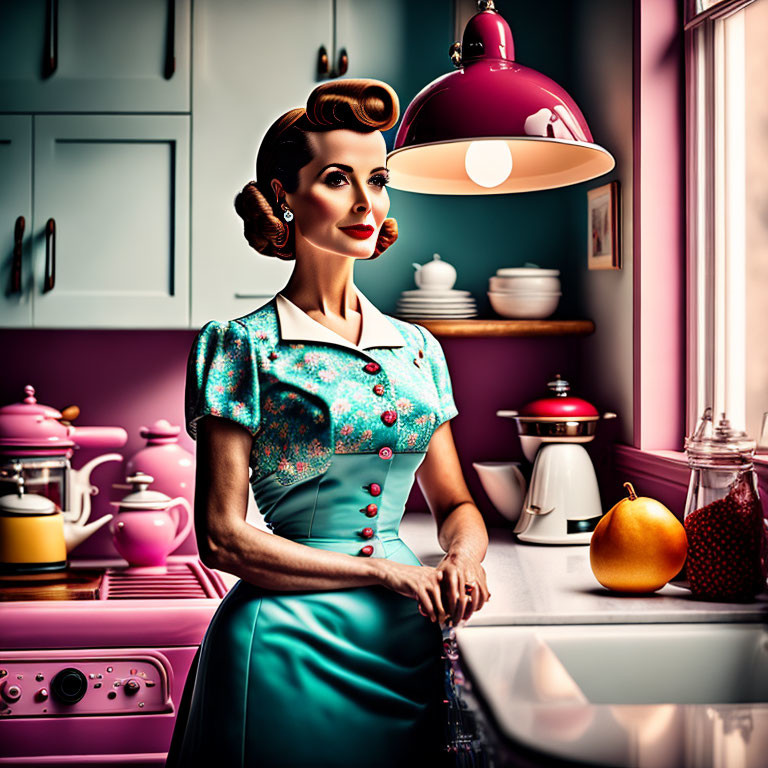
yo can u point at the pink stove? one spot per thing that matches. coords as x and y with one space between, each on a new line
93 660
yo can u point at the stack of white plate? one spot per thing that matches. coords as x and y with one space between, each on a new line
529 293
436 304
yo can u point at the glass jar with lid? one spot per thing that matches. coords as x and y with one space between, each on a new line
724 522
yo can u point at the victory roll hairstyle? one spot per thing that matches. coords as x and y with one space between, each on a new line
354 104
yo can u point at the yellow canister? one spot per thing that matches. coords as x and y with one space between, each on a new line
31 534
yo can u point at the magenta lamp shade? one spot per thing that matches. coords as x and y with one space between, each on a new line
493 126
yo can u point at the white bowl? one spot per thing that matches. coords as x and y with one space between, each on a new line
533 283
529 306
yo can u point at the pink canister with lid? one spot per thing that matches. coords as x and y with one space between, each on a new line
171 466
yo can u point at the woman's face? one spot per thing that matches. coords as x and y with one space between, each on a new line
341 200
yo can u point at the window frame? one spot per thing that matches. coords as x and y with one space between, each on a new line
716 287
662 37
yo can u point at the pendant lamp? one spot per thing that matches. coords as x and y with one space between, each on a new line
493 126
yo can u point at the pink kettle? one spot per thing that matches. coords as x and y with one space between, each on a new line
37 442
144 531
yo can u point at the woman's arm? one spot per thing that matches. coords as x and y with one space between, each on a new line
460 526
226 542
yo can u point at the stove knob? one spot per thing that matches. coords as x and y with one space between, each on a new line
132 687
69 686
10 692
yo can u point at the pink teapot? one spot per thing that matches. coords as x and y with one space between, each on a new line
144 530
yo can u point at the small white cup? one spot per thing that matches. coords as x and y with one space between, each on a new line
505 485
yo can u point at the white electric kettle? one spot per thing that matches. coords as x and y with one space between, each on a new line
562 505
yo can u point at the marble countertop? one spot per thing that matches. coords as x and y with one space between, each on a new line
534 584
568 674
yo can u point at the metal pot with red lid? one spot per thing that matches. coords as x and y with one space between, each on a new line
562 504
559 418
42 440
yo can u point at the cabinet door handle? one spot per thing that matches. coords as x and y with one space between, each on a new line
51 55
343 63
50 256
18 237
170 41
322 62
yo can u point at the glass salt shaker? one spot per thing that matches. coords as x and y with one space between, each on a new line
724 522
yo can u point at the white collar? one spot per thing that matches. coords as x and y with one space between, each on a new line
297 325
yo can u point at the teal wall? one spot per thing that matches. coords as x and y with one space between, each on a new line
479 234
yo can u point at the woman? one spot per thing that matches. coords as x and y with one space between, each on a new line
327 651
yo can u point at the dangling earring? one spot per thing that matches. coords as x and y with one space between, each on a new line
287 212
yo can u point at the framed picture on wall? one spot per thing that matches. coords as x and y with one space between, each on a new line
603 227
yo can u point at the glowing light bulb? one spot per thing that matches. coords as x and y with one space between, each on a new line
488 163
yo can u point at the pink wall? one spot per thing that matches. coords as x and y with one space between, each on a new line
132 378
116 378
659 227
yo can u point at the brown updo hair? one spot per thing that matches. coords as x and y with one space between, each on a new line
355 104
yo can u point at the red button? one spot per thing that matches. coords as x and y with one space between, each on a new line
372 368
389 417
371 510
374 489
367 550
378 389
273 355
367 533
385 452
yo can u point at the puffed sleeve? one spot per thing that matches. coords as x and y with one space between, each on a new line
433 354
222 377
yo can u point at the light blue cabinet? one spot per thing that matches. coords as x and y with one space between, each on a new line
106 236
253 61
391 41
256 60
94 55
117 189
15 220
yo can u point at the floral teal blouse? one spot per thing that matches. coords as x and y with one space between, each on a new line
305 396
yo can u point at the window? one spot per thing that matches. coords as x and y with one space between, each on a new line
727 126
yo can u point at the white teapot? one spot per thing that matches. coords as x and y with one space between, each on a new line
435 275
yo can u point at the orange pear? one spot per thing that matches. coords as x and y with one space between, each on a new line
638 545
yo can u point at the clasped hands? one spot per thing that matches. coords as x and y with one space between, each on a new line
463 589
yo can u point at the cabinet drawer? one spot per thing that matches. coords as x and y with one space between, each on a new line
94 56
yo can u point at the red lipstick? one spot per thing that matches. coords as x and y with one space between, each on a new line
359 231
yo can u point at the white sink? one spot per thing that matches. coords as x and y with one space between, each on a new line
659 695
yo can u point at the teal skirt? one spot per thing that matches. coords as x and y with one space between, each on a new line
347 677
333 678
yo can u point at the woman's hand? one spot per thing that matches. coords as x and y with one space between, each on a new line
459 570
461 529
420 582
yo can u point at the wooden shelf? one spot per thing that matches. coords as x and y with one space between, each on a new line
479 327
